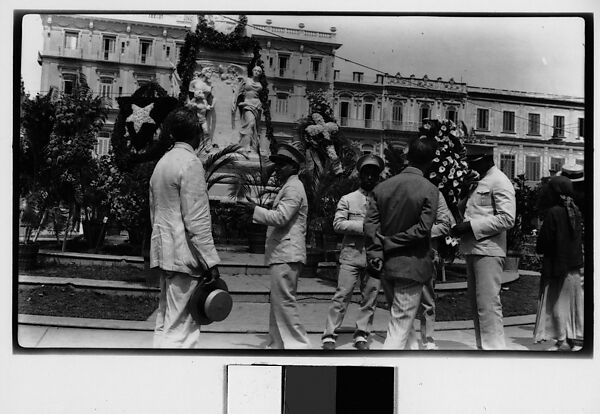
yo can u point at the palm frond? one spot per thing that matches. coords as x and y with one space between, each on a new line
246 181
241 182
223 153
226 157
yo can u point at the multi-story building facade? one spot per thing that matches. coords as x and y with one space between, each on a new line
533 133
296 61
387 110
116 56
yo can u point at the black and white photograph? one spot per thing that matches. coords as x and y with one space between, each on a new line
267 182
300 187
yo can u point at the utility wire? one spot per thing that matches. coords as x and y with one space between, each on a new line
336 56
379 71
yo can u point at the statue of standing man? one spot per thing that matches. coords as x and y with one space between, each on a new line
248 102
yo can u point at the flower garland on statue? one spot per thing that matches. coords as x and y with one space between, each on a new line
207 37
210 38
319 133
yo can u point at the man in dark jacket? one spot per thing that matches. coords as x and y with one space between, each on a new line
398 231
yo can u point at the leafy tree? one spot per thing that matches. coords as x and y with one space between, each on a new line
395 160
37 122
56 147
70 164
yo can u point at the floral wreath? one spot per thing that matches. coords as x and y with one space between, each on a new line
449 170
319 131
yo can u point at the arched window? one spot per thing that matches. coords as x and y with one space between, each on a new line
452 114
344 109
366 148
69 82
281 103
369 111
102 143
106 89
397 113
425 112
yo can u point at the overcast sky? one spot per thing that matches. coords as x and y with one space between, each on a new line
535 54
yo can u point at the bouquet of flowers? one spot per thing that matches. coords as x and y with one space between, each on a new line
319 132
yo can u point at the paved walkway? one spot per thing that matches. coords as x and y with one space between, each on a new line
519 338
247 325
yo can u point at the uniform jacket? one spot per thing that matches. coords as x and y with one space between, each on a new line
286 234
179 213
349 220
443 222
402 210
491 209
443 219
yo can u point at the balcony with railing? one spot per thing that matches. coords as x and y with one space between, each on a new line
76 53
303 75
377 124
361 123
401 126
289 32
374 79
146 60
63 52
108 56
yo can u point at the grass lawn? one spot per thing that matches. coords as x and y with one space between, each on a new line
69 302
120 273
518 297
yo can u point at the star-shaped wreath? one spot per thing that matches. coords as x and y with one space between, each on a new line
140 116
143 116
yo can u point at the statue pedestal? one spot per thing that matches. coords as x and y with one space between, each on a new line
226 70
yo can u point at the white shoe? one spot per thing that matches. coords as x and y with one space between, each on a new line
328 345
430 346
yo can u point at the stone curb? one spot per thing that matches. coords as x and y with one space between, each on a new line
87 323
252 265
84 283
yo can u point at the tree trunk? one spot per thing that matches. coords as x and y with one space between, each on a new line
64 243
39 229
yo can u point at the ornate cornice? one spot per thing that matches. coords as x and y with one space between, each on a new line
145 75
66 68
93 24
113 73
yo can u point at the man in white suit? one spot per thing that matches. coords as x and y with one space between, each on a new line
349 220
489 212
182 243
285 251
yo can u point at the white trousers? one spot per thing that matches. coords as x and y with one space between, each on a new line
405 298
285 328
175 327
